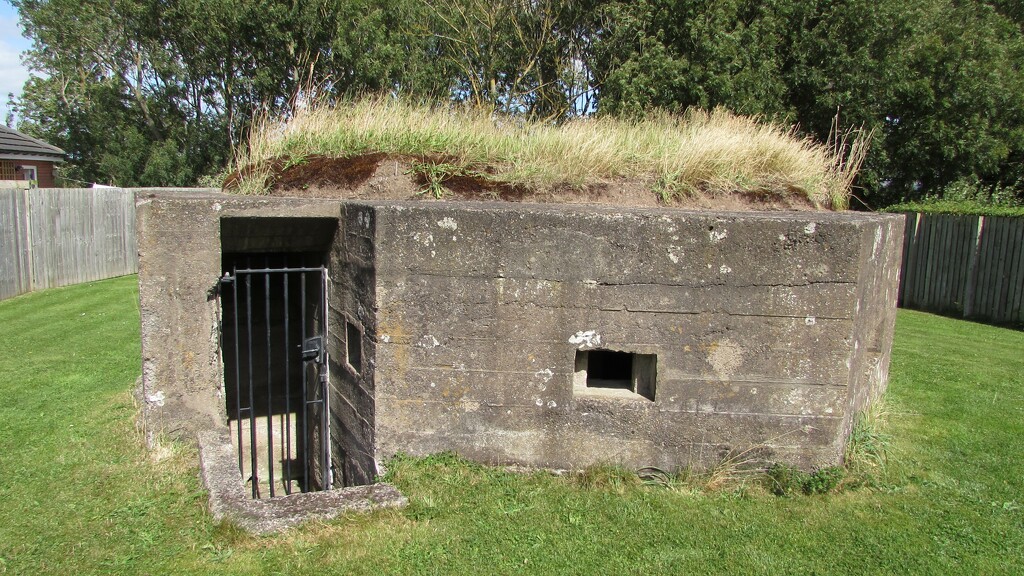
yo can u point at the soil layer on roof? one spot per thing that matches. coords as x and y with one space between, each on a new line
379 176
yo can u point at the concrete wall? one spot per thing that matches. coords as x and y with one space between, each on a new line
353 306
753 318
762 330
180 252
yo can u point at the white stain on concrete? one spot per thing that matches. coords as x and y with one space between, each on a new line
718 235
425 238
810 228
385 338
724 269
544 375
428 342
448 223
675 254
585 339
157 398
876 248
810 321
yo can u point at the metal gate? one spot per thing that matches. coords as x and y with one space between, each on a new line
273 342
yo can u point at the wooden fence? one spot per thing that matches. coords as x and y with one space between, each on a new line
55 237
969 265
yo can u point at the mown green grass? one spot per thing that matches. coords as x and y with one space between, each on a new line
79 495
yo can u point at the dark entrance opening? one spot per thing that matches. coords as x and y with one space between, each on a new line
273 329
273 302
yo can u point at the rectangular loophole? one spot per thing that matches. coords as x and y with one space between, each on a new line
615 373
354 346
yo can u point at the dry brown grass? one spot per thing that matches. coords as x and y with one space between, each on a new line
700 152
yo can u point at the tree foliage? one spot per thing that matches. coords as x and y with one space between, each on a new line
144 92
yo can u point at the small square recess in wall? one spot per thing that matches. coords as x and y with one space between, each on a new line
613 373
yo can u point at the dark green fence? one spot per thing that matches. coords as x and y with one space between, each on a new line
969 265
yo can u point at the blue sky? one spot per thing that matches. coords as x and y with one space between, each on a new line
12 44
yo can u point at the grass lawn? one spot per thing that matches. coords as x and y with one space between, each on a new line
79 495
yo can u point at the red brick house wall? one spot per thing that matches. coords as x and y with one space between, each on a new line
44 173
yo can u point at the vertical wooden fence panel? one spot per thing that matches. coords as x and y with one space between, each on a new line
970 265
1016 295
56 237
15 275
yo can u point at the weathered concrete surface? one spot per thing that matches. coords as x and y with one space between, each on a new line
770 330
352 309
230 500
179 242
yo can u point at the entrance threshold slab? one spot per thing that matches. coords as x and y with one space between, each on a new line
230 500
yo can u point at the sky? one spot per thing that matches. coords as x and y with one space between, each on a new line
12 73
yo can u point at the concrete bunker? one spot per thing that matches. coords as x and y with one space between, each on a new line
477 327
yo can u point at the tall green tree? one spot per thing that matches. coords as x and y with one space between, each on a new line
148 92
937 81
144 92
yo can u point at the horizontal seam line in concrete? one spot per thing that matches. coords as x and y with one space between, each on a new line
445 368
414 343
771 414
753 381
531 405
592 284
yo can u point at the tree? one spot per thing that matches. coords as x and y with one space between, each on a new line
523 57
142 92
939 82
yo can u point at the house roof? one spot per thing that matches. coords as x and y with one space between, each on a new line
14 144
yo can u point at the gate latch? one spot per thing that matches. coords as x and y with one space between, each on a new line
311 348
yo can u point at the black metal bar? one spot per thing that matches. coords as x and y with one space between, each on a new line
238 374
270 380
252 398
325 441
305 406
287 398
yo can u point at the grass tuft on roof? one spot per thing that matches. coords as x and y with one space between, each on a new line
698 152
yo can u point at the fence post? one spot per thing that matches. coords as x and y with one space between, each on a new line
26 227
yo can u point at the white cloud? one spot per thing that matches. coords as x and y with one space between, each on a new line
12 74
